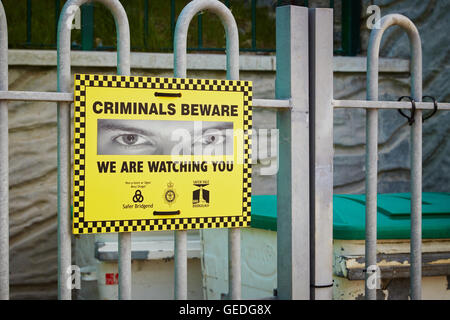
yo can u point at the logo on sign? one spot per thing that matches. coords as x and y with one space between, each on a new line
138 197
170 194
200 196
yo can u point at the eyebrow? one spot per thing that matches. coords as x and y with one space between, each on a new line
111 126
217 125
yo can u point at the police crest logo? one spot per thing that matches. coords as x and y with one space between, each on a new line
161 153
169 194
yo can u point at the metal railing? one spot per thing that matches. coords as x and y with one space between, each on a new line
372 105
293 281
304 104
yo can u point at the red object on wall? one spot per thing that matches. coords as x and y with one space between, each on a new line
111 278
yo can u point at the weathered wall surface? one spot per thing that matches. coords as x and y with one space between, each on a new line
432 20
32 142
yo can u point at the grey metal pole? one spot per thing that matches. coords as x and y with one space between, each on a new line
234 264
181 265
180 67
292 82
321 151
416 149
125 265
64 161
416 207
4 161
371 196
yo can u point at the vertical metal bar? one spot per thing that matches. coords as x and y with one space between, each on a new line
64 85
416 149
416 207
371 197
180 67
416 165
292 82
321 151
63 118
4 161
181 265
371 163
234 264
125 265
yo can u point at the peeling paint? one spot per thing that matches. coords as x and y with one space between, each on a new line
393 263
353 263
441 261
356 247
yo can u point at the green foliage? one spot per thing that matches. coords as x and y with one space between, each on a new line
151 31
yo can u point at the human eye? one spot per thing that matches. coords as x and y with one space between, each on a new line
212 138
132 139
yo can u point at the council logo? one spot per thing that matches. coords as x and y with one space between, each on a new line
138 197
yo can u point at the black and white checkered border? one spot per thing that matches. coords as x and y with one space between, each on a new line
80 226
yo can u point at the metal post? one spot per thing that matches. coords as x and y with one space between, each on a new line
416 150
371 196
4 162
292 81
181 265
64 85
321 151
232 50
234 264
125 265
416 207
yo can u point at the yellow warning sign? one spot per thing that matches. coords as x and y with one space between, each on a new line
161 153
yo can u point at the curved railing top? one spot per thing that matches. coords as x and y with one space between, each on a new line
374 50
232 36
63 42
